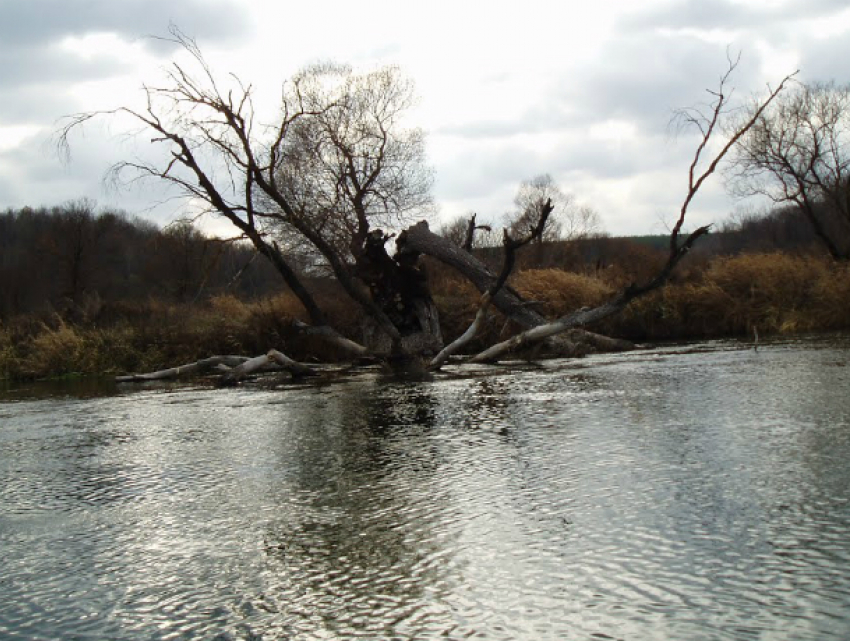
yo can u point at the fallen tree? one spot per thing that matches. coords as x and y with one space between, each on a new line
328 178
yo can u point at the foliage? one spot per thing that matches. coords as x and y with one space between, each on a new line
775 292
559 292
338 160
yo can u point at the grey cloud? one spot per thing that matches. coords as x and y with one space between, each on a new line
34 71
33 174
645 80
33 23
34 104
826 60
488 129
46 66
471 173
642 80
705 14
711 14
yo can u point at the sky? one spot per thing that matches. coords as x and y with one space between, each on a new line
584 91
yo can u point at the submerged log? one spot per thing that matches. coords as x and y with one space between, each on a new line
234 368
272 359
190 369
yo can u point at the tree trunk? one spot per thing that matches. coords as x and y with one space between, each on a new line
399 287
191 369
419 239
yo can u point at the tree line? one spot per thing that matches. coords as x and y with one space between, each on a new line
81 263
78 262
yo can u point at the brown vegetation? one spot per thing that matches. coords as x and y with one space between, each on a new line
778 293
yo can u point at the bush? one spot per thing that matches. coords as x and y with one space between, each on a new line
560 292
775 293
52 352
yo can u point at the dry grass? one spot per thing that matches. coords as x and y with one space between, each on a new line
777 293
558 292
8 362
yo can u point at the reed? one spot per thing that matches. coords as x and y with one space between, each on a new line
775 293
558 292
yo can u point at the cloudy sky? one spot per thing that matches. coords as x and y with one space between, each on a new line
583 90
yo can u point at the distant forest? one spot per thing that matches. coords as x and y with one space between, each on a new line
73 261
67 258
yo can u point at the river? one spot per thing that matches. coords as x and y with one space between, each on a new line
692 492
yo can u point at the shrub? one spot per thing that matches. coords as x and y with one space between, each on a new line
776 293
52 352
561 292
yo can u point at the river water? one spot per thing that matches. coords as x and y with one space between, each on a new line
678 493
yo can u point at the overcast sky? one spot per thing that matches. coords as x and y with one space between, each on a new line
583 91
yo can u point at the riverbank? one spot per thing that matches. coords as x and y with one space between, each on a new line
775 293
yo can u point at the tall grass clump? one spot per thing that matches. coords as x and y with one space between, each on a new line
52 351
558 292
775 293
457 302
831 299
8 360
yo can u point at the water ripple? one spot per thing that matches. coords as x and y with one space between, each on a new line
658 495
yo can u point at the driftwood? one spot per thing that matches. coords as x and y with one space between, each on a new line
421 239
190 369
511 246
234 368
273 358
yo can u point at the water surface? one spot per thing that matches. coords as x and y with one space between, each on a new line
702 494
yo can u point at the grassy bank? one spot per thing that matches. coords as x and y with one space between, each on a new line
777 293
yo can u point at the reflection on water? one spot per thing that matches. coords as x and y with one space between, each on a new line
657 495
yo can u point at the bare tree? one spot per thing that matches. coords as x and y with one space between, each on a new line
345 162
568 220
797 153
337 172
338 160
462 231
707 120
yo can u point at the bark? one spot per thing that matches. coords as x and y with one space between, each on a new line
234 368
398 286
455 346
586 316
529 337
332 337
511 246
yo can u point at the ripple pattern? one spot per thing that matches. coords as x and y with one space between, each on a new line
659 495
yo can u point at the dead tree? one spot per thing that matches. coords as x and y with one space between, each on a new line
538 329
330 177
796 153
